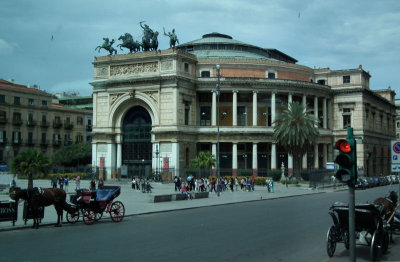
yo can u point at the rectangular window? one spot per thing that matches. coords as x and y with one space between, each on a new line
187 113
44 103
3 117
43 138
241 116
30 102
186 67
346 118
30 138
2 136
79 121
17 100
271 75
205 73
2 99
346 79
205 116
321 82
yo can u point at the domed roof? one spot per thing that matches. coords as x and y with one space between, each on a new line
216 45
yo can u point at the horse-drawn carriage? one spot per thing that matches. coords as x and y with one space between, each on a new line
92 205
370 227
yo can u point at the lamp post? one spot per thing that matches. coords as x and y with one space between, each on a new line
218 93
157 153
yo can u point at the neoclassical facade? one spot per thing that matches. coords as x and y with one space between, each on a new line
154 111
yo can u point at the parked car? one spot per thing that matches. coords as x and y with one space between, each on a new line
360 184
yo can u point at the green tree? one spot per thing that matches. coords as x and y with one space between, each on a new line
296 131
73 155
30 163
204 161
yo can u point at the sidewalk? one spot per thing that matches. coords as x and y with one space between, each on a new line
136 202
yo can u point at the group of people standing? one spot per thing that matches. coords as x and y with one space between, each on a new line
145 183
63 183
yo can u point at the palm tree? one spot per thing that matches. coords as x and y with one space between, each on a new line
296 130
30 163
203 161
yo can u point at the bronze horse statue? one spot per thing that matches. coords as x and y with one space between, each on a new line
37 198
389 205
107 45
128 42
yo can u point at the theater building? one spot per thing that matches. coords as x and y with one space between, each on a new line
156 110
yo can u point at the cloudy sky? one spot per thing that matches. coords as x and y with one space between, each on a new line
51 43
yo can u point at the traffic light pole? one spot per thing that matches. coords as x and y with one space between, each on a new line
352 220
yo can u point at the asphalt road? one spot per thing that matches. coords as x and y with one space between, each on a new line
287 229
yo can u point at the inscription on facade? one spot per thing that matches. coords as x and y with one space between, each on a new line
133 69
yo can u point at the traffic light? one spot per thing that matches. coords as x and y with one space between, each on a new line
346 160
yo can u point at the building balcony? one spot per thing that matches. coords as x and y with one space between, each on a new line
17 122
68 126
31 123
3 120
44 143
57 125
68 142
57 142
17 141
30 142
44 124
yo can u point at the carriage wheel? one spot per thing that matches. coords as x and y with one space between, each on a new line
331 241
385 240
72 218
346 239
117 211
99 216
376 245
89 216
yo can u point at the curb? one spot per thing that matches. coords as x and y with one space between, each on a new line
13 228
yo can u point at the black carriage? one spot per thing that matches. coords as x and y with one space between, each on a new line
92 205
370 228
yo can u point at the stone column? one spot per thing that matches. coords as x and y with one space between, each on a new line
119 158
254 108
329 114
304 102
273 156
325 121
255 166
290 98
304 162
234 159
316 166
316 109
214 109
273 109
234 108
214 153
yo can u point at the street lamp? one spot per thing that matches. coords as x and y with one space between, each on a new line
157 153
218 93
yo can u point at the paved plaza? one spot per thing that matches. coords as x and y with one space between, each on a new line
137 203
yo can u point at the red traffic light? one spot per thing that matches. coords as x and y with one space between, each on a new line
343 146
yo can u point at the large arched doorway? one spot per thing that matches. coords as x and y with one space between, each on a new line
136 147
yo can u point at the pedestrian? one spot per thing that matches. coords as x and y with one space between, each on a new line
101 183
176 183
236 183
54 182
184 191
248 184
133 183
78 182
93 185
13 183
137 183
66 182
268 185
212 183
231 184
61 182
253 182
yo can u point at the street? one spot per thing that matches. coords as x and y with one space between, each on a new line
286 229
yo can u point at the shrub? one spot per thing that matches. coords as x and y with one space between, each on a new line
275 174
305 175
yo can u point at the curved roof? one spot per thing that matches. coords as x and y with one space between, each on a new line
216 45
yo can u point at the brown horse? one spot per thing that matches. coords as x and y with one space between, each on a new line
37 198
389 207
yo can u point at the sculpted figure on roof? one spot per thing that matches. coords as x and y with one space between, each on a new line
173 39
107 45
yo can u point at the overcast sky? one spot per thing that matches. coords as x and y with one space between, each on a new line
51 43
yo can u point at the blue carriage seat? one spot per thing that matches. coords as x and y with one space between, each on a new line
106 193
